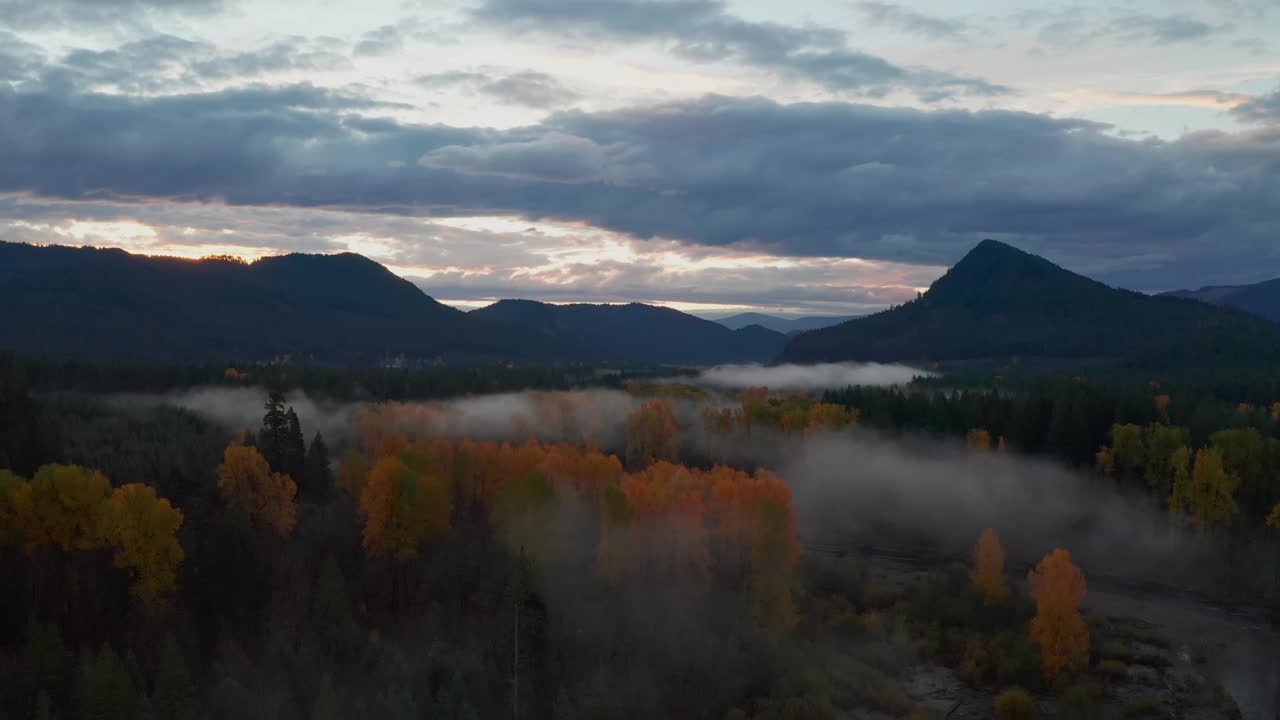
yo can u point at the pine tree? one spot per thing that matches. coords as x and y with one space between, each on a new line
522 646
332 616
106 691
326 705
44 707
46 663
316 484
294 452
275 427
173 697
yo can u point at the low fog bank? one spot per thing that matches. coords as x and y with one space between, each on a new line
865 489
808 377
851 488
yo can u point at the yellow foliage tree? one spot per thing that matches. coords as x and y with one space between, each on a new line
1105 460
403 509
144 530
1058 588
15 507
1206 497
978 439
1274 520
67 505
246 481
988 567
652 433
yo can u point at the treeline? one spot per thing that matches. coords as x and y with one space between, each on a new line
338 383
419 577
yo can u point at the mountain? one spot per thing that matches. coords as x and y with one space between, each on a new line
344 309
637 332
1261 299
999 302
786 326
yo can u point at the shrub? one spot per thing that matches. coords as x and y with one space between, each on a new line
1015 704
1081 702
1113 669
1116 650
1142 708
975 665
1017 660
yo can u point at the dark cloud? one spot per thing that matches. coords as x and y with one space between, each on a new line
1161 30
451 78
702 31
530 89
1261 109
382 41
895 16
819 179
34 14
20 60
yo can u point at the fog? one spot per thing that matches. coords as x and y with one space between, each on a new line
808 377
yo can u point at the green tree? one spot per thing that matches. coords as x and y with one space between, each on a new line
1130 449
275 430
106 691
317 477
333 623
294 452
326 705
1163 443
522 649
174 694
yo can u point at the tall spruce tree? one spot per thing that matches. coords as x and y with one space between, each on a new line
294 452
275 429
316 484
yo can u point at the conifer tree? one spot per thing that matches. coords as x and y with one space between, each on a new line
173 697
316 483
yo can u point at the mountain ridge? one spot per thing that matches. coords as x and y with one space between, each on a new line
1260 298
999 302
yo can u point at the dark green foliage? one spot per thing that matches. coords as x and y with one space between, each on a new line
999 303
332 622
104 689
1080 702
173 696
293 455
316 483
273 438
521 649
1261 299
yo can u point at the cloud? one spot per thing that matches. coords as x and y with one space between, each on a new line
96 14
552 156
701 30
897 17
382 41
1075 26
808 377
807 179
530 89
1260 109
450 79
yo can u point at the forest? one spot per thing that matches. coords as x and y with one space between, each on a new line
494 545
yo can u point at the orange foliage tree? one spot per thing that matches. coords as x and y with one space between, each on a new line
404 508
1274 520
652 433
144 530
988 567
246 482
1058 588
978 439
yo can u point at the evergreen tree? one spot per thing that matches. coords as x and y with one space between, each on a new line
326 705
275 429
173 697
332 617
294 451
317 478
47 665
106 691
44 707
523 651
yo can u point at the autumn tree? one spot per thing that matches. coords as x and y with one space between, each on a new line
1206 497
988 567
403 508
1163 444
67 508
247 483
652 434
1058 588
144 530
1128 441
1274 519
352 474
978 439
772 562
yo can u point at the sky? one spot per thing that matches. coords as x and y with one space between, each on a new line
806 157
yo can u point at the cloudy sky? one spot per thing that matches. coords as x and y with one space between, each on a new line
811 156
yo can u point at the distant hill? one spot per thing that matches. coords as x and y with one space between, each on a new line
786 326
638 333
342 309
999 302
1261 299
